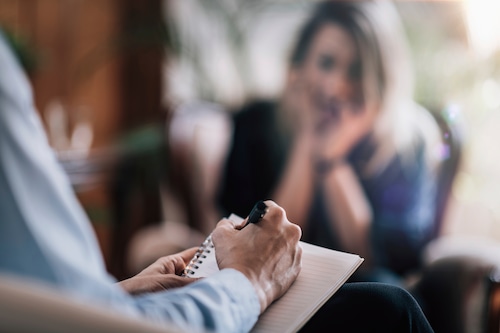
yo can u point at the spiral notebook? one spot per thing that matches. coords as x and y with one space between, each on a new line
323 272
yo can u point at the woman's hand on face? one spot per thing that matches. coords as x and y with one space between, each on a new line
163 274
337 137
297 104
335 130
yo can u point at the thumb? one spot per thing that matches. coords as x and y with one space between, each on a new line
227 224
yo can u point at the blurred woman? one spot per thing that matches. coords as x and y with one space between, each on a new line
345 150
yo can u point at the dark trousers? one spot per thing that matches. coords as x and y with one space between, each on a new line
369 307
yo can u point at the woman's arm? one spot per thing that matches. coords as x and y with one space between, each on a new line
347 205
349 208
295 189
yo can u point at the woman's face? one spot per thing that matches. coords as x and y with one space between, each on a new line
332 72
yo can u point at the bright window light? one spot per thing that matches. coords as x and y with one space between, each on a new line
483 25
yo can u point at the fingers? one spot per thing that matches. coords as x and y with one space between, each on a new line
276 217
171 264
274 211
262 251
226 224
188 254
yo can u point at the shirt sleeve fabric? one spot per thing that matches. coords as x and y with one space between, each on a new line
45 234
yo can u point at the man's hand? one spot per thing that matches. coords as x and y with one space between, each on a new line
268 253
163 274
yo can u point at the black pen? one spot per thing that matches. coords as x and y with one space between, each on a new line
257 213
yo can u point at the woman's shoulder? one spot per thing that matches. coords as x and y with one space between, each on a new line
412 144
428 133
420 154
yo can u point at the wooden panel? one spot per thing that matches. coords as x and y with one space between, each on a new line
78 65
94 59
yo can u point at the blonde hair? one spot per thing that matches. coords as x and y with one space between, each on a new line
401 121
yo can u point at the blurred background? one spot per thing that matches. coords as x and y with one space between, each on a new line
119 85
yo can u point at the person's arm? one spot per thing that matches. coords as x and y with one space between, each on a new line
52 239
347 204
295 189
224 302
349 208
163 295
250 260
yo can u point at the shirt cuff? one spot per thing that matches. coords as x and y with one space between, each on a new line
242 293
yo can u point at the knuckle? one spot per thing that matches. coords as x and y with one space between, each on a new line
294 232
270 203
279 213
221 222
297 230
216 235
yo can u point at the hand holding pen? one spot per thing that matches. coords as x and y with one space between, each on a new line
261 253
257 213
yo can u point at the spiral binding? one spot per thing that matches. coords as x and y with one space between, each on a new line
205 248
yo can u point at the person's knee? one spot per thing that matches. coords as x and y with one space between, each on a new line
395 298
399 306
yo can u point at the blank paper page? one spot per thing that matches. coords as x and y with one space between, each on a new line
323 272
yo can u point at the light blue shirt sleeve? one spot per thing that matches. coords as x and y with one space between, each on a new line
46 235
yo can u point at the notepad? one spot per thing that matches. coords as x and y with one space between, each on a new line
323 272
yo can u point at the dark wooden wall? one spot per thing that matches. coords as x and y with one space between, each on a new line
104 57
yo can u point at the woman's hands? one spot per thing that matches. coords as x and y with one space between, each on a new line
163 274
336 125
337 137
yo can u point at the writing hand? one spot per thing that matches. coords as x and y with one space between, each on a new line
268 253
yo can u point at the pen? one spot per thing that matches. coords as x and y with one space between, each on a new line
257 213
